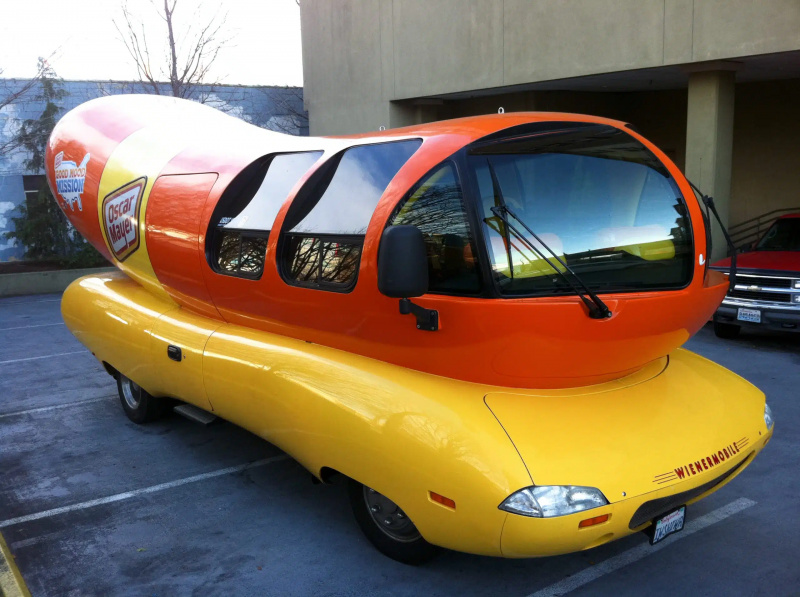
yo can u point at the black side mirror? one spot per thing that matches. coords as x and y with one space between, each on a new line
402 263
403 272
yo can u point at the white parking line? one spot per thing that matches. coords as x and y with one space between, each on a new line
47 356
130 494
25 327
44 409
25 301
641 551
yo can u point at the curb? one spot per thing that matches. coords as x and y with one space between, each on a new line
11 582
44 282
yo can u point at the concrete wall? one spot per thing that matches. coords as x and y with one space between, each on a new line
359 55
766 149
44 282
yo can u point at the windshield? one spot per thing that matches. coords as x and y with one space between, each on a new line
596 198
784 235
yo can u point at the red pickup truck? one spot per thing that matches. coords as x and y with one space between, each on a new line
767 291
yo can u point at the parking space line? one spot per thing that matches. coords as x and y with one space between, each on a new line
26 301
634 554
25 327
47 356
11 582
145 490
44 409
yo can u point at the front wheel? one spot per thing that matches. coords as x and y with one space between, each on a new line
728 331
387 527
139 406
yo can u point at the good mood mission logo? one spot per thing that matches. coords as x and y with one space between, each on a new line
70 179
121 217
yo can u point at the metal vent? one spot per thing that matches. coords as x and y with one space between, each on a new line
775 297
762 281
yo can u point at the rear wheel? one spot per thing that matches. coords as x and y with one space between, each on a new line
726 330
387 526
139 406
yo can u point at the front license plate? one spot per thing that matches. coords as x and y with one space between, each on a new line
751 315
666 525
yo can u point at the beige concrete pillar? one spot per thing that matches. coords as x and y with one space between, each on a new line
709 142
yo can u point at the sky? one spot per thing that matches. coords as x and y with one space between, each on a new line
81 41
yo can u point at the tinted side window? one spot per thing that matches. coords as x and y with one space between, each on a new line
326 226
240 253
246 212
282 174
436 207
346 204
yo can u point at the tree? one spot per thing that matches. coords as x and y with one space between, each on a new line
42 228
14 92
190 53
291 117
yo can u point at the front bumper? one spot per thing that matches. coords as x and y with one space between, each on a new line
781 318
525 537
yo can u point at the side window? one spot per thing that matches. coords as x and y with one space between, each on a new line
436 207
325 227
246 211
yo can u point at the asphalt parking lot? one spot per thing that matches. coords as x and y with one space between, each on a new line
92 504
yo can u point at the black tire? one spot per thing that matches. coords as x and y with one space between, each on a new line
139 406
728 331
400 539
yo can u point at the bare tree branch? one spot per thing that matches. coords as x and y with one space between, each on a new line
189 56
288 102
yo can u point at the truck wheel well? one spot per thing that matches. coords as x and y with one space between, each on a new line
328 475
110 370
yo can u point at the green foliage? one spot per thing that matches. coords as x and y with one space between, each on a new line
41 227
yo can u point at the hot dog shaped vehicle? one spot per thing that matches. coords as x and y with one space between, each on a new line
477 322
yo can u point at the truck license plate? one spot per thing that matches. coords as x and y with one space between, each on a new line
668 524
751 315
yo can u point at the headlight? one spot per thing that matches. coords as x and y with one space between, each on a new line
796 284
768 416
546 501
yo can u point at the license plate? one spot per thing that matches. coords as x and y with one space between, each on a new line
751 315
666 525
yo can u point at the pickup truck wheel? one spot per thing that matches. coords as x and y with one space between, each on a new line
726 330
139 406
387 527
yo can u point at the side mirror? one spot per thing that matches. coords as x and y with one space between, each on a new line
403 272
402 263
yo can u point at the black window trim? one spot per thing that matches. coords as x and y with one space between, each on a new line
323 175
215 230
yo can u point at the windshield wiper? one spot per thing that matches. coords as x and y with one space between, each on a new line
596 307
709 203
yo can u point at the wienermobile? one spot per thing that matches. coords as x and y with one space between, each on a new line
477 322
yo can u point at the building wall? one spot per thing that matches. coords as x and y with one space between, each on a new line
766 149
359 55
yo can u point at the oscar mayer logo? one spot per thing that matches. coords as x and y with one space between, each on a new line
121 217
703 464
70 179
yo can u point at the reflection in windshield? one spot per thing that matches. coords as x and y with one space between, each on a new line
611 216
784 235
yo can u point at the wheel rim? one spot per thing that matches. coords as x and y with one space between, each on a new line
131 393
389 518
